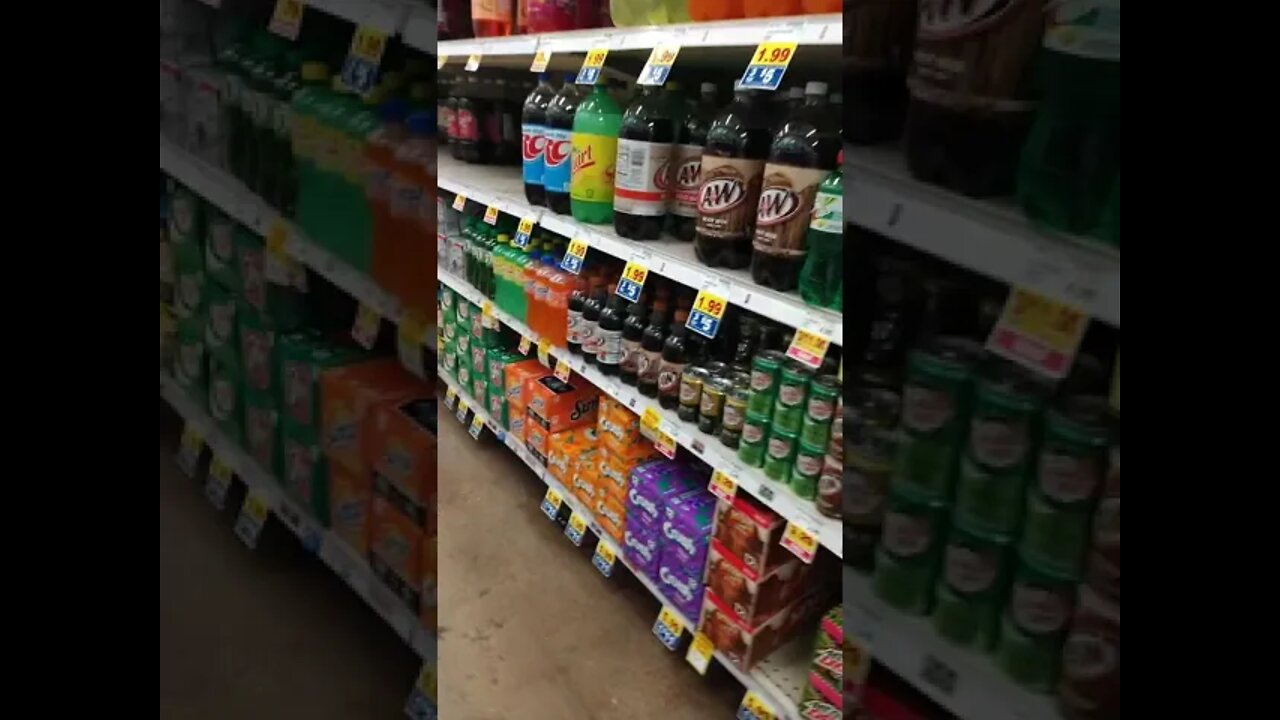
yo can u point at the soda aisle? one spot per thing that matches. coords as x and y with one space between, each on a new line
295 328
636 306
982 521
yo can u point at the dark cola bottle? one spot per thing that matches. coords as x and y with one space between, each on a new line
533 140
640 176
732 165
803 153
559 146
686 165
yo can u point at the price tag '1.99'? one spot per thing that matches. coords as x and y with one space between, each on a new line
704 318
286 20
1038 333
668 628
523 232
253 516
574 255
754 707
477 426
575 529
632 281
551 503
604 558
801 541
360 69
768 65
591 66
659 65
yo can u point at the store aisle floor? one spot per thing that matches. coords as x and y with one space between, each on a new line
529 628
265 634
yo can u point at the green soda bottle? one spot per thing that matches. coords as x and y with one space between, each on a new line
822 277
1072 154
595 152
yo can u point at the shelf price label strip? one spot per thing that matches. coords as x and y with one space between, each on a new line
286 19
551 503
252 518
540 60
218 482
574 256
659 64
1038 333
592 65
189 449
576 528
360 69
632 281
768 65
524 231
668 628
708 308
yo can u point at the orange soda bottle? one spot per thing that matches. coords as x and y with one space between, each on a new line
706 10
770 8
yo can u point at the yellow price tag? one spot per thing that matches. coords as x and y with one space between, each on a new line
278 238
576 529
710 304
650 420
477 425
427 681
525 344
577 522
365 330
577 248
562 371
473 63
551 503
659 64
487 309
491 215
754 704
189 449
605 551
441 60
635 272
540 60
631 282
801 541
665 444
286 19
459 202
368 44
1039 333
700 652
450 397
668 628
544 346
409 336
774 54
256 507
808 347
220 471
723 486
526 226
595 58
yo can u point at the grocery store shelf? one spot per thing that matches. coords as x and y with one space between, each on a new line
504 188
992 238
384 15
420 28
335 553
779 498
909 646
229 194
778 678
805 30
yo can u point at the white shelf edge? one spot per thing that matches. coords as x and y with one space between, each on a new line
987 237
902 643
223 190
333 551
386 16
815 30
786 308
420 28
754 680
781 500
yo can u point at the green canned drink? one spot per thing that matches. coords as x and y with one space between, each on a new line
793 385
780 452
788 417
805 470
766 369
1073 454
1034 626
751 446
907 559
1055 537
446 300
934 411
1006 406
989 501
971 588
820 410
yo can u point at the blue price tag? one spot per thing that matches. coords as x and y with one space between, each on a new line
572 264
522 239
762 77
668 636
573 533
551 504
657 75
588 76
359 74
604 566
628 290
703 324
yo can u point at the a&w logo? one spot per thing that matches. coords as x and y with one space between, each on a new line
721 195
688 174
777 204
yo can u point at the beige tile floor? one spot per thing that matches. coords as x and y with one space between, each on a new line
531 629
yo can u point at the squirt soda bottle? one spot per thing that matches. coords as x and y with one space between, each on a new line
595 154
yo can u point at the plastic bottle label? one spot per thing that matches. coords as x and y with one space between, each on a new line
556 151
685 177
593 168
786 202
573 332
954 65
727 196
609 347
631 356
640 187
828 214
533 140
491 10
468 128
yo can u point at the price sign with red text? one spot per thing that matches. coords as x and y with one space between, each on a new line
704 318
1038 333
768 65
632 281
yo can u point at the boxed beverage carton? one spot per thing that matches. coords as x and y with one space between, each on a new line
349 496
189 366
225 397
186 224
615 469
261 430
557 405
497 405
347 393
303 356
583 485
611 515
535 438
257 349
306 476
220 251
745 645
189 292
220 324
517 420
621 429
652 485
752 596
686 529
401 445
640 547
752 532
517 376
395 550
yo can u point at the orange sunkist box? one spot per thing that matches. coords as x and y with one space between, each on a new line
395 551
401 445
611 514
606 406
349 497
347 393
620 429
518 375
516 421
557 405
